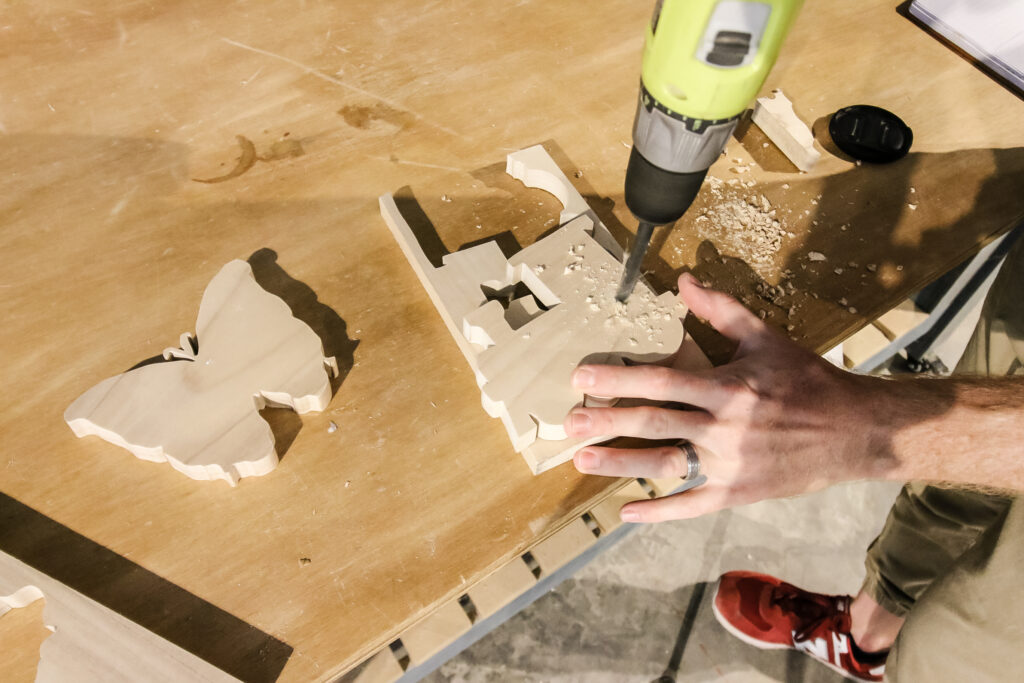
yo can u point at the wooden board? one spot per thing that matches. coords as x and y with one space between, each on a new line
902 319
523 351
90 642
775 117
201 413
111 114
501 587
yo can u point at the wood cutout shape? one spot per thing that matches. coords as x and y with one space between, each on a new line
523 351
775 117
201 413
91 642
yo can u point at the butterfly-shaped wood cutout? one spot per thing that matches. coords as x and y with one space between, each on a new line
201 413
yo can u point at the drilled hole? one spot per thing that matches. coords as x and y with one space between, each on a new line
520 304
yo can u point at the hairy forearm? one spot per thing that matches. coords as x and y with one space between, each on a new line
964 431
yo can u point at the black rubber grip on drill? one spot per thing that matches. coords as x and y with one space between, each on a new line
658 196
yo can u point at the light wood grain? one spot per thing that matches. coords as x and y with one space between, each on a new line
202 414
501 587
862 345
775 116
112 112
380 668
563 546
901 319
22 632
438 630
607 512
90 642
524 352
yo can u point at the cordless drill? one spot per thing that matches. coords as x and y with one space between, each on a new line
704 61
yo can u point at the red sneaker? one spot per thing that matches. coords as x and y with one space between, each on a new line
771 614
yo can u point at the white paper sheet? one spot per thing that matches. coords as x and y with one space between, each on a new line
990 30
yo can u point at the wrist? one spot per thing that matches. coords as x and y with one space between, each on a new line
872 420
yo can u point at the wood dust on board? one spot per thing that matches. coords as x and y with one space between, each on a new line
742 223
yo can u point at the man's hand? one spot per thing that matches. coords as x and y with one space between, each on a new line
775 421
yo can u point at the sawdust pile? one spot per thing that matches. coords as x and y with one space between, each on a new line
742 225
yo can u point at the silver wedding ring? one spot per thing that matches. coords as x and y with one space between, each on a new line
692 460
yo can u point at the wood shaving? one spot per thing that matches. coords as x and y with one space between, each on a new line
743 227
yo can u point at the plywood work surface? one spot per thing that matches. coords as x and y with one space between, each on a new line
296 121
88 643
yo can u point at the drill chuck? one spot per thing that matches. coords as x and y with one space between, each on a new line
657 196
704 60
671 155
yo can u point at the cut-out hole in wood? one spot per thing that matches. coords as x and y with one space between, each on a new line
524 349
519 303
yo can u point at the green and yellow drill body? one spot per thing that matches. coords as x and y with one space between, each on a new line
703 63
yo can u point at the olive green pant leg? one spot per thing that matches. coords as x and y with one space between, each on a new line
969 624
930 527
952 561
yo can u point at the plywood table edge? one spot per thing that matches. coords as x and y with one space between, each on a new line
561 523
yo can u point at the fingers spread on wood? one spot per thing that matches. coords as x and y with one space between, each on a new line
647 381
726 314
662 462
685 505
644 422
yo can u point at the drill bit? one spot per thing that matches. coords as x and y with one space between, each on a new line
636 256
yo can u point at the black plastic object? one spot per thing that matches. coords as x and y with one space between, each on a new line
870 133
657 196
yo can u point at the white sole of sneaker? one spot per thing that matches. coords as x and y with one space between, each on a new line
761 645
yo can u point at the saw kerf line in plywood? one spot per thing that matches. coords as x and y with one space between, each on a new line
523 353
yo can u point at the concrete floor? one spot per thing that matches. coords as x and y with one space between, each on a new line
640 613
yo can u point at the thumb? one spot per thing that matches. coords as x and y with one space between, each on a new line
726 314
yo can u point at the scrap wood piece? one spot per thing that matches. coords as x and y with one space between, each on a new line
535 168
861 346
523 349
91 642
775 116
201 413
